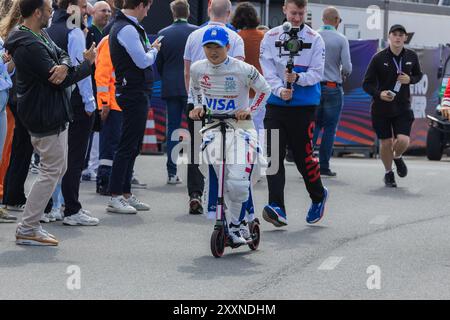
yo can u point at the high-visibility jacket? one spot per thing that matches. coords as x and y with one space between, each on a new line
105 77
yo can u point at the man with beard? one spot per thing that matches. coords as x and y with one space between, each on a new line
43 72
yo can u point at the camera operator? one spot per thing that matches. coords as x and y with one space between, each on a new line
291 106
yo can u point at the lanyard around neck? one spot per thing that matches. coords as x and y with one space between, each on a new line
398 65
39 36
328 27
99 30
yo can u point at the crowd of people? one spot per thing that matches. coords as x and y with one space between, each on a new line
75 84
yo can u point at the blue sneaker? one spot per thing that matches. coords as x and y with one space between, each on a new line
275 215
317 210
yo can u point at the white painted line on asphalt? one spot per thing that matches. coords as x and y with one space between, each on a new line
379 220
330 263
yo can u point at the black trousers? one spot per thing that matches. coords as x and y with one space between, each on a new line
296 127
19 164
134 112
78 139
195 182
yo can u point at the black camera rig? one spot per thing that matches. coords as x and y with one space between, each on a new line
290 42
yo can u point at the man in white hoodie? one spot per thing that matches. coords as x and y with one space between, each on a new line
291 111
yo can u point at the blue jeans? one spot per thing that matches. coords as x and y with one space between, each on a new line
327 118
175 110
57 197
3 122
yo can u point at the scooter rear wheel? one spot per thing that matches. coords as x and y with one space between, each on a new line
256 234
218 243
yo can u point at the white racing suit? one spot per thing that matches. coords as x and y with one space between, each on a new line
224 90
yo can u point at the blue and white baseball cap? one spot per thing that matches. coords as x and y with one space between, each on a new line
217 35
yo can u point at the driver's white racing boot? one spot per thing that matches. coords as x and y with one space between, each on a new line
235 235
245 231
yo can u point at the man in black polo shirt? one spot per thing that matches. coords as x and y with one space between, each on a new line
387 80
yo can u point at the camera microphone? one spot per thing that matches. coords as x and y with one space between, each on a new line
287 26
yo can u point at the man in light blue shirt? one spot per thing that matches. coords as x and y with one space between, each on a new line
67 32
337 66
129 39
76 47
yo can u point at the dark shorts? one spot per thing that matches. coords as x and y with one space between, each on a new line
388 127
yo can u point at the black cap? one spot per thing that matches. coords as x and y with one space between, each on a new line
397 27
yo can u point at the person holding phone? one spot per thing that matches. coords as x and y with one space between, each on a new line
387 80
132 57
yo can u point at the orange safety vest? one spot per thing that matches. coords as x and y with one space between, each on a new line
105 77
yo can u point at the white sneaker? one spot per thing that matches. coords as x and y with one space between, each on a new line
235 235
82 218
120 205
244 230
55 215
138 205
18 208
174 180
49 217
44 218
36 237
136 184
5 217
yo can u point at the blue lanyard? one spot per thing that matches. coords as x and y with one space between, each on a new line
399 67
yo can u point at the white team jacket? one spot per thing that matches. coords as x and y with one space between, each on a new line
310 66
225 88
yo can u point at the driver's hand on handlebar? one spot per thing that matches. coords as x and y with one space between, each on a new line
446 112
196 113
242 115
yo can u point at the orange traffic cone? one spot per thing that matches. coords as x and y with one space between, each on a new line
150 142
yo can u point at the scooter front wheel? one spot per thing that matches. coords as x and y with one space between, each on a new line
256 234
218 243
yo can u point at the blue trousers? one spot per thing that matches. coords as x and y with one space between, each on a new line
109 141
175 109
327 118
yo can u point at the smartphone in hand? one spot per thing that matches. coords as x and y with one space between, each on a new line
391 93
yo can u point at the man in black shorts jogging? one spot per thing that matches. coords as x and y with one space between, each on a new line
387 80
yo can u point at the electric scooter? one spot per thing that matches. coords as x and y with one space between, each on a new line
219 237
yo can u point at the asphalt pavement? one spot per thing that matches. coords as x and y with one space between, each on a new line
373 243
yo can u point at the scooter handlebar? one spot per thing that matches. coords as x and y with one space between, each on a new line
220 116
